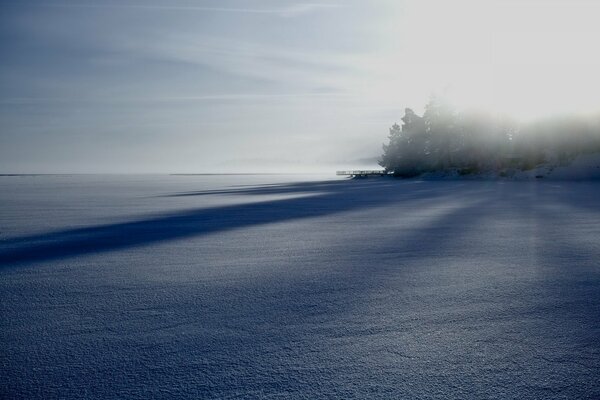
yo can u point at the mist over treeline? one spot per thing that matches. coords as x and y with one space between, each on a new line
470 142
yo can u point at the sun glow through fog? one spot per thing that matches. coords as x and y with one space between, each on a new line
527 59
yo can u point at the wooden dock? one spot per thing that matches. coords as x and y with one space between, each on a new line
365 173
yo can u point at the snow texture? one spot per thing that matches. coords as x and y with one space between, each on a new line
222 287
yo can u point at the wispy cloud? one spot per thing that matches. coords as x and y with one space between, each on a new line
289 10
168 99
293 68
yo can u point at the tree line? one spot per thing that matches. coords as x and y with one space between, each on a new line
469 142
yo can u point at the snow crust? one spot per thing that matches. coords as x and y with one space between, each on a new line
298 287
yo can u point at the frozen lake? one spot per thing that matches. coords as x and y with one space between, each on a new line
298 287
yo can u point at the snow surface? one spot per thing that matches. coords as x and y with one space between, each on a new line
583 167
298 287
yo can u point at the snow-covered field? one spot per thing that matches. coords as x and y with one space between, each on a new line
225 287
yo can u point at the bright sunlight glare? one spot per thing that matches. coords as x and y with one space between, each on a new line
528 59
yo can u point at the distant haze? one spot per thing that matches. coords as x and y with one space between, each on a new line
270 86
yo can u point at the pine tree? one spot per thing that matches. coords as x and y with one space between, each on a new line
444 139
404 155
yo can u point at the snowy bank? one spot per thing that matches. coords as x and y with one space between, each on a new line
585 167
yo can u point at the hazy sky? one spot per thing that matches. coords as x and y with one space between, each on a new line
221 86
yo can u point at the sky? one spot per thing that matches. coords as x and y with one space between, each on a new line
133 86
